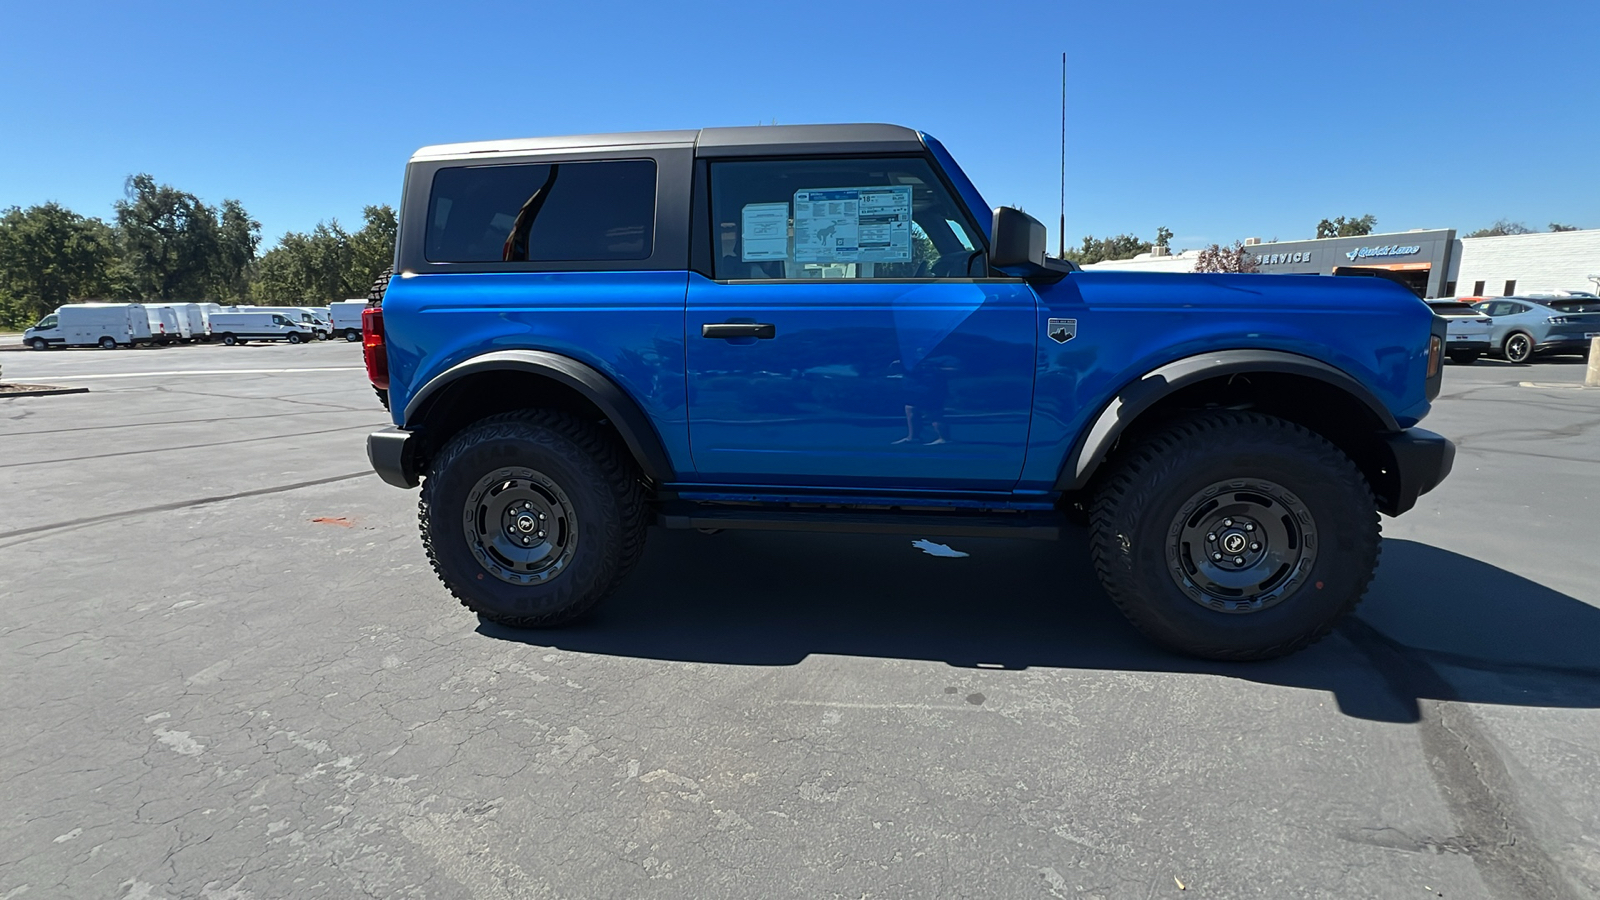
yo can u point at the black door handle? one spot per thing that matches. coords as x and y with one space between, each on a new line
762 330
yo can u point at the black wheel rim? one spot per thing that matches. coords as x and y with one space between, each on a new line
1517 348
520 525
1241 546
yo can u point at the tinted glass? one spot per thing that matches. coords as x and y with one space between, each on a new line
560 212
848 218
1572 306
1453 309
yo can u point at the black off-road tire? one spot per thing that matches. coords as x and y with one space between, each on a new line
601 485
1136 537
379 286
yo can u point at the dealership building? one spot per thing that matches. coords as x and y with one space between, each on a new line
1432 262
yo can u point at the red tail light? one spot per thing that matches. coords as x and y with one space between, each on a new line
372 347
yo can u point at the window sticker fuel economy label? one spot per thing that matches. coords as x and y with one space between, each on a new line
864 224
764 232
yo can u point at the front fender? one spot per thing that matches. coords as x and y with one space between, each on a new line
1127 404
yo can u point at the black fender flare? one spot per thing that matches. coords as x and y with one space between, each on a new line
613 402
1096 441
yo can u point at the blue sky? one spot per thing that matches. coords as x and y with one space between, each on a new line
1220 121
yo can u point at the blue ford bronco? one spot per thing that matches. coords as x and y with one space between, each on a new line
826 328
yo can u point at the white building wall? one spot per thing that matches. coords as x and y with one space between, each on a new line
1146 262
1538 263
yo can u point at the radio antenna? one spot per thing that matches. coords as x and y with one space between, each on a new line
1061 234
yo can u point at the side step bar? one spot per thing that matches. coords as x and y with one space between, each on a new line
1043 526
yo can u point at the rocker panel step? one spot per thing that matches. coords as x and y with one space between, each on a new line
1043 526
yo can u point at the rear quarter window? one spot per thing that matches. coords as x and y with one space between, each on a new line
555 212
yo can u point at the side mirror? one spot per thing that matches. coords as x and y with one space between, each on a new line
1018 239
1017 247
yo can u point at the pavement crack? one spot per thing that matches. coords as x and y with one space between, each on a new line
1468 772
169 507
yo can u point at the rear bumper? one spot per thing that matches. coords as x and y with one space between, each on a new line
1420 460
392 453
1473 345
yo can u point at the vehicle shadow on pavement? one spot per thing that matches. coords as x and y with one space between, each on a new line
1435 625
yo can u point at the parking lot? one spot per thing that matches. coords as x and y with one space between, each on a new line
229 673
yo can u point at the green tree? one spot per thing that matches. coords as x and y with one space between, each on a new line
1557 226
170 240
372 248
1342 227
1501 228
327 263
233 262
1163 236
50 255
1122 246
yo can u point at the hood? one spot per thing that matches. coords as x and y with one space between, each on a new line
1286 293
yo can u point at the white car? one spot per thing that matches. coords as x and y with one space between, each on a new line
1467 334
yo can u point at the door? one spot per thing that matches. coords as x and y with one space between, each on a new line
849 335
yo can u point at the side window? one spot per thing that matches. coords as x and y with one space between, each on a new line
847 218
47 322
280 320
555 212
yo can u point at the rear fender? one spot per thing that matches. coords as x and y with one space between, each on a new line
625 415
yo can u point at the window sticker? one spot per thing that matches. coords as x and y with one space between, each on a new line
845 225
764 232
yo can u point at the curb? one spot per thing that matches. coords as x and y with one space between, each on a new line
45 390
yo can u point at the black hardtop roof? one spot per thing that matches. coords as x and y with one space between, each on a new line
751 140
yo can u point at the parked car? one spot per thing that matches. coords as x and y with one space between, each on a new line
826 328
1467 334
104 325
1524 327
243 327
346 318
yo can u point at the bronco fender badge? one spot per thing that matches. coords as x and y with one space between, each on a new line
1062 330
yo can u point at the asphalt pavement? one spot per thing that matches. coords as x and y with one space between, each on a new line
226 671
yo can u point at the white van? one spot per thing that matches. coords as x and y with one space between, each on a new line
345 316
191 320
316 323
104 325
164 328
244 327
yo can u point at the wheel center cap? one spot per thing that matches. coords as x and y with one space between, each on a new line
1233 542
526 523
